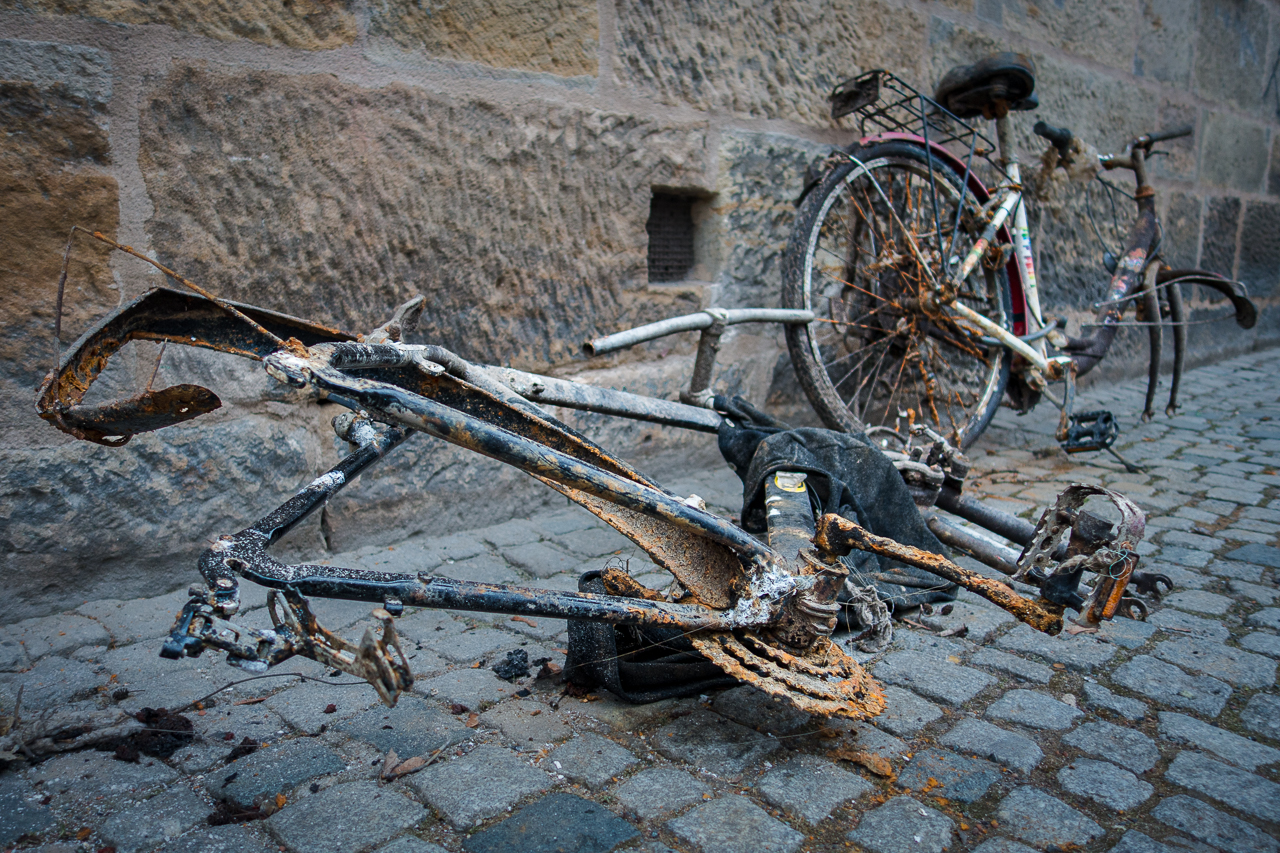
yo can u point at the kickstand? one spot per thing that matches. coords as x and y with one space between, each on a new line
1128 466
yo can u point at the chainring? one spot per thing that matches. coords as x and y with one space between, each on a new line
823 681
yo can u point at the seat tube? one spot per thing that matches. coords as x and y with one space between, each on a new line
1021 237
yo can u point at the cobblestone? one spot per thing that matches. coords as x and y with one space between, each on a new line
479 785
904 824
1268 617
1262 715
945 774
709 741
934 678
978 737
559 822
1240 751
734 824
1097 696
906 713
1042 821
1105 783
1199 601
658 791
589 759
811 787
1240 668
1081 652
161 818
1262 642
344 818
1244 791
1202 821
1033 709
256 779
1012 665
1129 748
1165 682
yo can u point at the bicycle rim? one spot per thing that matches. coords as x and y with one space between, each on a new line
867 247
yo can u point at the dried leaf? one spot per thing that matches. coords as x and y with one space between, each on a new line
473 720
528 622
1073 629
404 768
257 700
877 764
389 763
280 801
83 833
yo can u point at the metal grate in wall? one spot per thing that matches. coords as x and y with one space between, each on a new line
670 229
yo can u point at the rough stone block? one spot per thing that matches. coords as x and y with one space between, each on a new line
956 777
84 777
540 559
1013 665
1240 668
528 724
982 620
1262 715
811 787
352 816
1165 28
1230 53
904 824
589 759
481 784
473 688
1185 623
412 727
55 635
1263 555
1033 709
753 707
479 644
734 825
1199 601
934 678
1002 845
258 778
1255 592
1042 821
231 839
1167 684
978 737
1267 617
1202 821
709 741
1080 652
1097 696
303 706
906 713
1135 842
556 823
1127 747
53 682
1233 155
1262 642
1221 224
20 813
161 818
1105 783
594 542
1129 633
659 790
1240 751
1240 790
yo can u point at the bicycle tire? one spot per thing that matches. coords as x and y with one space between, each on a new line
848 261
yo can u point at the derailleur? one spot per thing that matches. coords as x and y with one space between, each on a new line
295 631
926 468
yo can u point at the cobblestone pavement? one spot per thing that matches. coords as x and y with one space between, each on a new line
1146 737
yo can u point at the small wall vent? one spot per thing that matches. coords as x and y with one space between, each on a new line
670 229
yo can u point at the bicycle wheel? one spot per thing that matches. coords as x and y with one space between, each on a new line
864 250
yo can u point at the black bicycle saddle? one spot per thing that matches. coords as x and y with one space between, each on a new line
973 90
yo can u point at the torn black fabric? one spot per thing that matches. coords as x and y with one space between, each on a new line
847 475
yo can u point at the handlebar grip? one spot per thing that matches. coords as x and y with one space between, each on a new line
1060 137
1177 132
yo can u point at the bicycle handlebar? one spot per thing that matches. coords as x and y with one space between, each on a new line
1152 138
1060 137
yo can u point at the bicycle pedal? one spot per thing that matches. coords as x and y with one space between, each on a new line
1091 431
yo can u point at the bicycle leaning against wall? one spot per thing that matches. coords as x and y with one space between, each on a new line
922 277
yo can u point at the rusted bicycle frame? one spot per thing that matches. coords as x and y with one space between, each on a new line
761 610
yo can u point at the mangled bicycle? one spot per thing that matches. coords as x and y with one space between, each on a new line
757 603
922 279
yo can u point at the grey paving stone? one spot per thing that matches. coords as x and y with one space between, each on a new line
753 707
554 824
1262 642
138 619
528 724
1136 842
1013 665
934 678
1202 821
221 839
1081 652
1105 783
1262 715
978 737
1033 709
1127 747
82 777
303 706
481 784
1240 668
478 644
540 559
1240 751
412 556
1240 790
659 791
710 742
1002 845
811 787
1199 601
957 777
410 844
20 810
618 715
1267 617
457 546
345 818
54 682
906 713
1129 633
161 818
589 759
594 542
1097 696
258 778
517 531
412 727
1263 555
55 635
903 825
1191 540
1042 821
1255 592
482 568
1166 683
1231 569
982 619
1182 623
474 688
871 739
540 628
1184 556
734 824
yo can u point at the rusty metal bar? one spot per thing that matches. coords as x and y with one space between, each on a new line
837 536
1003 560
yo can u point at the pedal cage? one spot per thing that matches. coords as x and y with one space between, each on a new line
1091 431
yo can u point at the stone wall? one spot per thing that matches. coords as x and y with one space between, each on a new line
330 158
